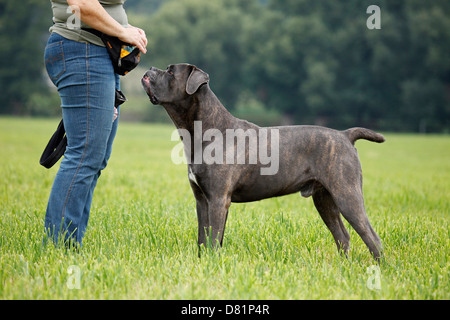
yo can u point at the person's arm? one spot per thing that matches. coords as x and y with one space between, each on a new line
93 14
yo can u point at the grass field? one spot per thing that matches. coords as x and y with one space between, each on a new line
141 238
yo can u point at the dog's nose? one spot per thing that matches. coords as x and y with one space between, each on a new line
150 71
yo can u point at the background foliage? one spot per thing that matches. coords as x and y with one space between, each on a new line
270 61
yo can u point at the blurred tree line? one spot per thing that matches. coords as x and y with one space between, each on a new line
290 61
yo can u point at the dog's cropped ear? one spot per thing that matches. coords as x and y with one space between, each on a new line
195 80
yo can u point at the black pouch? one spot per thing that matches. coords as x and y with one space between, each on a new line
124 56
57 145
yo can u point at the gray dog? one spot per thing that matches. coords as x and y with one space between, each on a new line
317 161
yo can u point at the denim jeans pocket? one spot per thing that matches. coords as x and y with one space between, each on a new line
54 60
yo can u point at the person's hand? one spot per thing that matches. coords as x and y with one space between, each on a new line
116 114
136 37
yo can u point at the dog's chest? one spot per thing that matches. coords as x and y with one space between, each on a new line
192 176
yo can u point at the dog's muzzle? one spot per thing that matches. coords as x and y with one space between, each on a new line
146 84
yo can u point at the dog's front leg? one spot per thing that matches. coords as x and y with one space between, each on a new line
217 214
203 222
202 215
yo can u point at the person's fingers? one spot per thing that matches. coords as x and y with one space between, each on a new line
142 32
142 46
116 113
134 37
143 37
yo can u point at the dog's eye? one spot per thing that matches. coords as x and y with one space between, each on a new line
170 72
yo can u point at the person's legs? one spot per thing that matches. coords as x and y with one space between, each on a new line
86 87
87 208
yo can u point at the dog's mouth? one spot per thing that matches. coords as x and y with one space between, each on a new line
146 84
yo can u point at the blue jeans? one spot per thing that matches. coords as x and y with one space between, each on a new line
86 82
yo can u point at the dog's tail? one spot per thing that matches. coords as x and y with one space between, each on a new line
354 134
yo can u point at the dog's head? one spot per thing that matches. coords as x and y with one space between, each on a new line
175 84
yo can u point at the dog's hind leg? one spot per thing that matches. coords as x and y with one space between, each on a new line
351 204
330 215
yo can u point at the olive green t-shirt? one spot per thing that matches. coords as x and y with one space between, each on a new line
66 24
